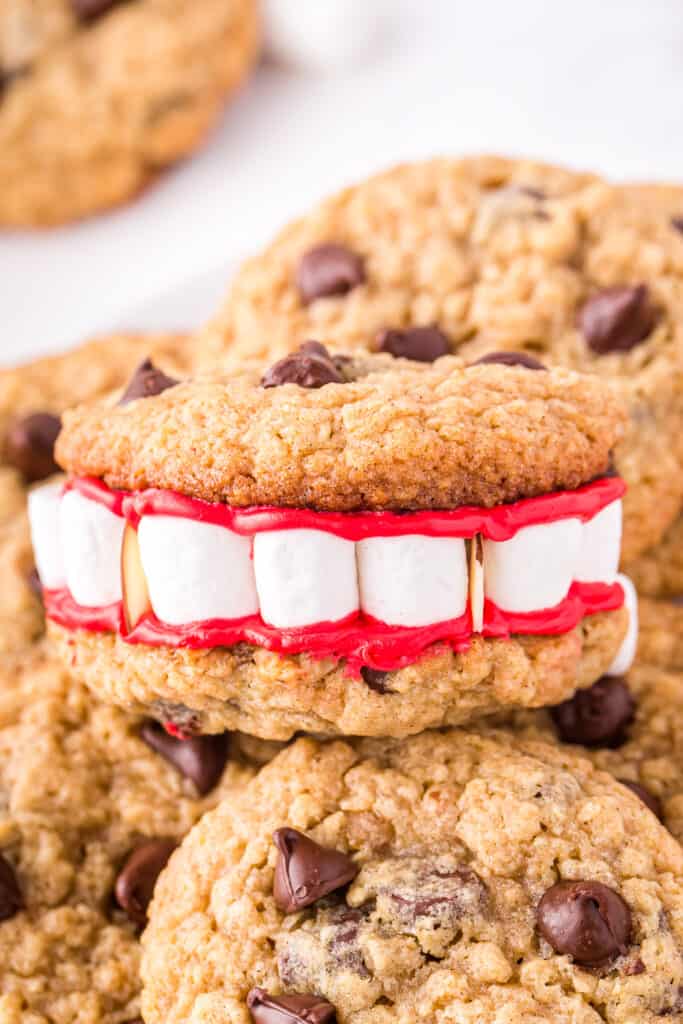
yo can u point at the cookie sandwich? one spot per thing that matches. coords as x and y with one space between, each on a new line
366 546
447 877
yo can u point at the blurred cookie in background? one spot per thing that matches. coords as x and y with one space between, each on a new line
98 96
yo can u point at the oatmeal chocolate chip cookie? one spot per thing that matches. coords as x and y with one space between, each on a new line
97 97
93 802
342 545
32 398
449 877
631 727
482 255
661 637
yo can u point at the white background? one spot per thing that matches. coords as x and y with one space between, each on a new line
592 83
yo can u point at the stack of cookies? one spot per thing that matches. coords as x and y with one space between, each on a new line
348 580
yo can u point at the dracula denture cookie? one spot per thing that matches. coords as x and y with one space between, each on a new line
482 254
365 546
450 877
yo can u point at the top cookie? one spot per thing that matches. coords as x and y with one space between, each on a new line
496 254
96 96
378 434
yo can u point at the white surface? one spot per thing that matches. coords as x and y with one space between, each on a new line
43 514
324 35
627 651
588 84
533 570
91 542
196 571
413 580
601 546
304 577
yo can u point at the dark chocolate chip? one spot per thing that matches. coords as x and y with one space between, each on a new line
511 359
598 716
11 899
421 344
311 366
200 758
292 1009
30 445
137 878
34 584
147 381
677 224
305 871
88 9
617 319
328 269
375 679
585 920
644 794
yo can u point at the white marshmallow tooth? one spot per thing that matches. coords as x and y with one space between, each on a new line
196 571
627 652
91 538
535 568
413 580
598 560
477 589
304 577
43 513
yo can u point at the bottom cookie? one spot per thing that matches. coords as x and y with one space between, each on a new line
448 877
92 801
273 696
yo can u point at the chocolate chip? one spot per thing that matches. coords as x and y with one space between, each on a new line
137 878
11 899
375 679
30 445
305 871
200 758
649 799
327 944
677 224
328 269
585 920
34 584
311 366
617 319
147 381
87 9
296 1008
421 344
598 716
511 359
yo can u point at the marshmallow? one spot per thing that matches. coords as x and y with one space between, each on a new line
43 514
304 577
535 568
196 571
91 539
413 580
322 35
598 560
627 651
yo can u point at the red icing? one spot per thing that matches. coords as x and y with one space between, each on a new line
500 523
359 639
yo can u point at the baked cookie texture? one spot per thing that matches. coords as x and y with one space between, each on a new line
637 739
399 435
455 839
79 790
98 96
500 254
274 696
43 389
660 638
